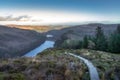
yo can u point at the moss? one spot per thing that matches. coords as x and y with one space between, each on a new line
1 76
86 76
51 64
36 66
15 76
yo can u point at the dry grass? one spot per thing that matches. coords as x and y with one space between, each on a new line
51 64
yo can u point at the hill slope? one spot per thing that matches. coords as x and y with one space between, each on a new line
49 65
81 30
54 64
16 42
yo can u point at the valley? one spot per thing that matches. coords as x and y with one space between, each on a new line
48 59
60 40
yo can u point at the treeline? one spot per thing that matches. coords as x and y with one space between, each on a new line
99 41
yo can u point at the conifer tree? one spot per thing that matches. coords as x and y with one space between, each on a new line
100 40
85 42
114 41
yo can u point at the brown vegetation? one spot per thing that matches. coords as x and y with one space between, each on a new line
50 65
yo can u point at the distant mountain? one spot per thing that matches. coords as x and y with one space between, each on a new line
81 30
16 42
39 28
31 27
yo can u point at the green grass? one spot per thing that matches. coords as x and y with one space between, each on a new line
105 62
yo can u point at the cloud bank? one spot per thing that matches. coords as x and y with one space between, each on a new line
53 17
12 18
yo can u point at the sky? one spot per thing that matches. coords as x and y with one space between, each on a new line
59 11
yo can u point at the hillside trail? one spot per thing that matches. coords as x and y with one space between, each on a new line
92 69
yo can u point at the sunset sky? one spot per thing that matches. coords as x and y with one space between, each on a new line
59 11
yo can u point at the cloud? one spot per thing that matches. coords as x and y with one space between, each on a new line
12 18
